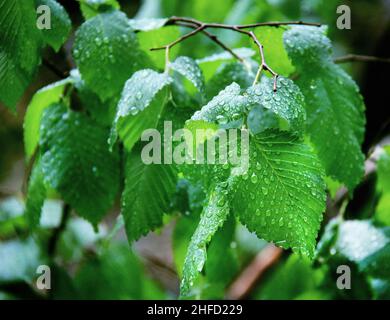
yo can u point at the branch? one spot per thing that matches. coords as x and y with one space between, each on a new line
245 282
362 58
199 26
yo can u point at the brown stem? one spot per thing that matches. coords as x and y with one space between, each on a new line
245 282
362 58
182 38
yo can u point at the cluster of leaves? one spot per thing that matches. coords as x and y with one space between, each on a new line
83 134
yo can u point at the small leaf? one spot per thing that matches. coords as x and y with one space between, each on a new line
60 27
91 8
212 218
140 106
32 120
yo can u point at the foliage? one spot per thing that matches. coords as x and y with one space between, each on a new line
83 139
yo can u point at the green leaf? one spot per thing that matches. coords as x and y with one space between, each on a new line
158 38
210 64
147 195
20 43
141 104
36 196
274 52
19 260
335 109
147 24
76 162
91 8
32 120
287 102
383 187
189 69
212 218
282 196
225 75
107 53
226 107
60 26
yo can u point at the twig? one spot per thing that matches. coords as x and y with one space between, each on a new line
182 38
362 58
245 282
199 26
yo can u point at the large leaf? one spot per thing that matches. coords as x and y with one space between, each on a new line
147 195
20 42
60 26
106 51
77 163
212 218
140 106
335 109
282 196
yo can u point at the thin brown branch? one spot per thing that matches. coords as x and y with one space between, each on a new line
361 58
199 26
182 38
247 279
